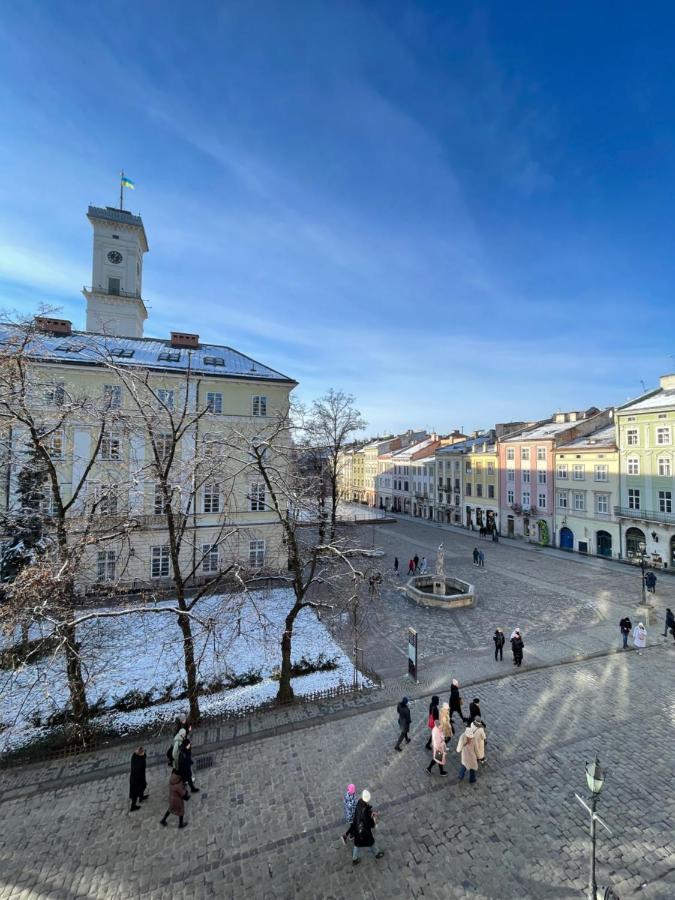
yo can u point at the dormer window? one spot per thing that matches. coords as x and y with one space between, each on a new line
214 361
169 356
122 352
70 348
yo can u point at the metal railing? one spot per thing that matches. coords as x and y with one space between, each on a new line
103 290
648 515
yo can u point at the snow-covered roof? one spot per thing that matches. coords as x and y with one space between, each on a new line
603 437
84 348
415 448
542 430
658 399
461 446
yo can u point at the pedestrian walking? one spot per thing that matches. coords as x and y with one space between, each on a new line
467 751
446 722
479 739
625 626
349 801
640 637
433 718
137 782
185 766
177 798
500 640
670 623
439 751
365 820
178 739
423 566
650 581
517 644
455 701
403 710
396 566
416 560
474 710
475 556
411 567
481 559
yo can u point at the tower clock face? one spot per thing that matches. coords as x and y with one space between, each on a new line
115 257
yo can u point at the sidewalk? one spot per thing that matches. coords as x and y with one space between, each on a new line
471 669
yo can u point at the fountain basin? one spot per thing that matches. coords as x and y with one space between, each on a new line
440 591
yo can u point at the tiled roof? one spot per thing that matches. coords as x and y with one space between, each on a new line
87 348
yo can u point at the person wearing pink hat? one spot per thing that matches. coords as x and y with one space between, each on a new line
350 800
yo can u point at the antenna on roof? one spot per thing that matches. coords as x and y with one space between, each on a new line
644 389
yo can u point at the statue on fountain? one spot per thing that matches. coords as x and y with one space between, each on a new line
440 561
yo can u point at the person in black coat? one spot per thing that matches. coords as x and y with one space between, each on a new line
403 711
433 717
517 644
185 765
500 640
456 701
363 823
137 782
474 710
670 623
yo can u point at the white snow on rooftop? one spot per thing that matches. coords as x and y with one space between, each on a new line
659 399
603 437
82 347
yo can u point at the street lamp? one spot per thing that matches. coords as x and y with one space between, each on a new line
595 779
642 547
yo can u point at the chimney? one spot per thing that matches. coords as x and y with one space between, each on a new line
667 382
188 341
54 326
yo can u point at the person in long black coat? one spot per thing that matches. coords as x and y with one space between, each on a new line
456 701
185 765
363 824
474 710
403 711
137 782
517 645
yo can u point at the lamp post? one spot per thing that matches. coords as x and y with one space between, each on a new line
642 547
595 779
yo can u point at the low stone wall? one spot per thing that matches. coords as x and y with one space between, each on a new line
465 596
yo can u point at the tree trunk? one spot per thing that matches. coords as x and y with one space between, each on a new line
190 668
78 695
285 692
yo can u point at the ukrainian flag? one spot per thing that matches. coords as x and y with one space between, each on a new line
128 183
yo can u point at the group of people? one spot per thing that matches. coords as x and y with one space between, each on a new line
361 818
639 633
478 558
179 757
517 645
416 566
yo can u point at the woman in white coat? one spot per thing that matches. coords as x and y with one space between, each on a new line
640 637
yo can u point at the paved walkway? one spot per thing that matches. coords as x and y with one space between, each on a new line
267 820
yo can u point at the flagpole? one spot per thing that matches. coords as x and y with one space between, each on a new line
121 190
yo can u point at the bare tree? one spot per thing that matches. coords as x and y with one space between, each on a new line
38 415
190 479
321 574
332 422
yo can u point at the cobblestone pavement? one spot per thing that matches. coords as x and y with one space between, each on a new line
267 821
545 594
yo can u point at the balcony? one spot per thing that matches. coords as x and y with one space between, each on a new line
102 290
645 515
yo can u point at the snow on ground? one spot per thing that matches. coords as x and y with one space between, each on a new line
145 652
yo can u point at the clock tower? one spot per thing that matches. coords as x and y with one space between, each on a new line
114 302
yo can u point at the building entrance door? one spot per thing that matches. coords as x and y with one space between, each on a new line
566 539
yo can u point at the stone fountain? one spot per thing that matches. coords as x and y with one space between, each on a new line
439 589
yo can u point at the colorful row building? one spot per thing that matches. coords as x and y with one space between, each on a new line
593 481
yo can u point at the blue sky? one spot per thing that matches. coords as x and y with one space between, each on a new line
461 213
